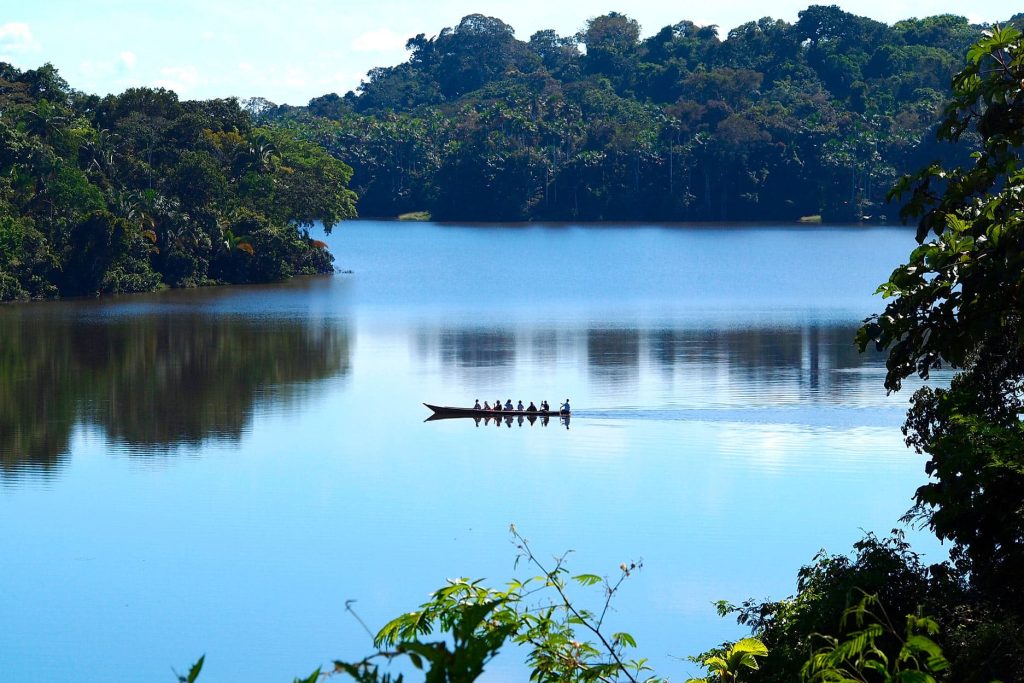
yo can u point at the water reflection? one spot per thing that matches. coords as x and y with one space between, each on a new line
749 366
815 360
506 420
613 356
149 382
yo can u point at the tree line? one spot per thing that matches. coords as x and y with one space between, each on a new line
775 121
131 192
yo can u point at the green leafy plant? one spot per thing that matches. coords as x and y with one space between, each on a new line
861 657
734 661
564 641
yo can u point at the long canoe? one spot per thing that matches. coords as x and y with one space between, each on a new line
449 411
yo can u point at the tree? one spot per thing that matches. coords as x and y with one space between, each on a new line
130 191
613 44
959 302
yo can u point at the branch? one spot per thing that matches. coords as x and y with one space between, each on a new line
524 545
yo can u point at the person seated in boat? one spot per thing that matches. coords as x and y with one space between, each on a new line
476 406
545 407
565 407
531 408
487 406
497 404
519 406
508 405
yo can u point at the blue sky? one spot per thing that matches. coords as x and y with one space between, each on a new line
291 50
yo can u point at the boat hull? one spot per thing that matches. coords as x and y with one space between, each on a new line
450 411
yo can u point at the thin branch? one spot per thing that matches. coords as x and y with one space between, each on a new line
568 604
348 608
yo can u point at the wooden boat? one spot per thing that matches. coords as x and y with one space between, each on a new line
450 411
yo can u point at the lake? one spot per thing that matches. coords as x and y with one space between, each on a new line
218 471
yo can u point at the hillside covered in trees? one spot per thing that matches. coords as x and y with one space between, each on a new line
772 122
132 192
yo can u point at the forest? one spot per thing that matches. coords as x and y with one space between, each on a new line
773 121
137 191
777 121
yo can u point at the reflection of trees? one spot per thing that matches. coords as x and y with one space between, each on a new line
808 359
613 355
152 381
487 353
478 348
36 402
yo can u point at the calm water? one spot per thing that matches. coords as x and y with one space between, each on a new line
218 471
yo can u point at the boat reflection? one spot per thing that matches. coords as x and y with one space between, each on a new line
507 420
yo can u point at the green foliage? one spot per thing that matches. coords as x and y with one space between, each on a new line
564 641
193 672
26 261
131 192
829 586
734 661
957 302
311 678
860 656
773 122
961 285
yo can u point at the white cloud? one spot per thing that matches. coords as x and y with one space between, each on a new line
264 80
16 42
295 77
109 73
381 40
180 79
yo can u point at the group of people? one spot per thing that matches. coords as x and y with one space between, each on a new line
498 407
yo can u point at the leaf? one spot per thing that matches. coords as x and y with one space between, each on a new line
913 676
716 664
587 579
193 673
919 643
624 638
312 678
752 646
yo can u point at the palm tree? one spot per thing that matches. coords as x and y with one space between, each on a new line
135 207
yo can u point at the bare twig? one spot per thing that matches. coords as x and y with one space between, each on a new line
348 608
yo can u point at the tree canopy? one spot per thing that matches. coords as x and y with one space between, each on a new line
774 121
131 192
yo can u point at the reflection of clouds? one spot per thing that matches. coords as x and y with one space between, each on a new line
786 448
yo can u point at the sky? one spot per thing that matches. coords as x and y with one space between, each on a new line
289 51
